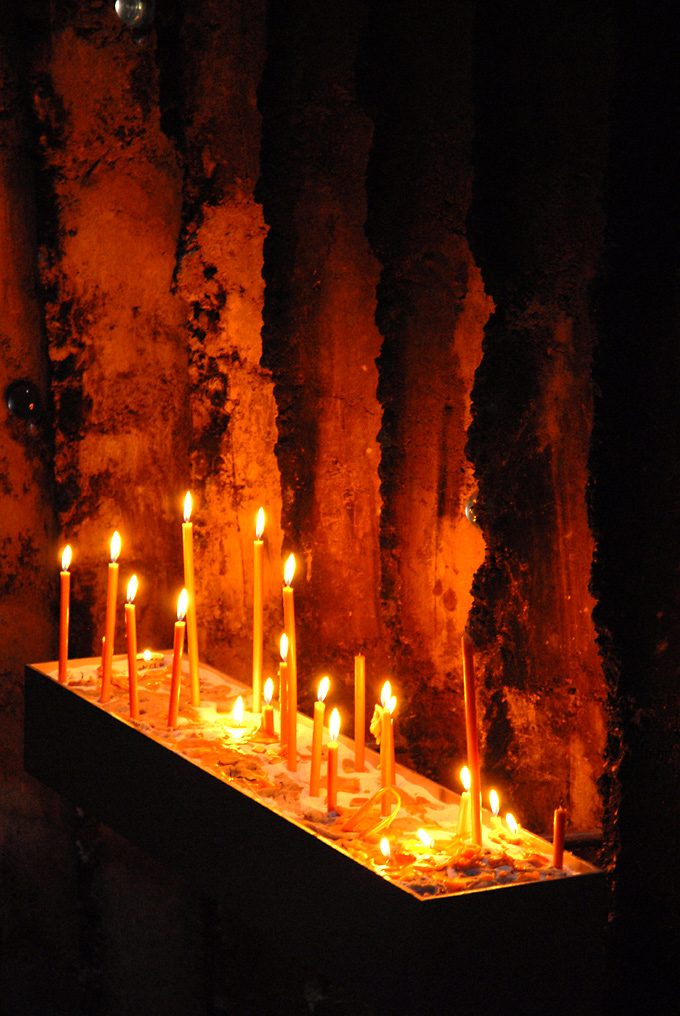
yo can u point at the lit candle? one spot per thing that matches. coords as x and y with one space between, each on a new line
112 593
385 850
258 574
472 741
387 746
515 838
64 610
131 631
359 712
268 711
464 810
178 646
317 737
237 716
190 586
334 730
495 807
283 692
425 838
559 824
289 625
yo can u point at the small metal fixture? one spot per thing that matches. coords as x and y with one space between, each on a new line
24 401
137 14
471 510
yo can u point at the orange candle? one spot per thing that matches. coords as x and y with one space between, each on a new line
112 594
472 741
190 586
268 711
289 625
387 746
334 730
64 611
258 582
317 737
559 824
283 692
464 809
178 646
131 631
359 712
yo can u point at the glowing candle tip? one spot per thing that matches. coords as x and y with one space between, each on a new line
259 526
66 558
289 570
238 711
283 647
324 684
494 802
465 777
187 506
334 725
132 589
385 848
115 547
268 690
511 823
182 605
386 694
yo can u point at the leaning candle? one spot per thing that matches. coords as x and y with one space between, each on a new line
359 712
190 586
472 742
387 746
289 625
267 724
283 692
334 730
178 646
559 824
464 809
64 610
112 593
317 737
258 547
131 631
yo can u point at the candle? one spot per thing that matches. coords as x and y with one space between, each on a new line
359 712
258 563
472 742
111 595
283 691
464 810
559 824
334 730
178 646
131 631
495 807
268 711
190 586
289 625
515 838
385 849
237 729
317 737
64 611
387 746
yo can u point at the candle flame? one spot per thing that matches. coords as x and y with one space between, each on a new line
238 711
386 694
283 647
494 802
132 589
268 690
511 824
187 506
289 570
392 704
385 848
259 525
465 777
425 838
334 725
66 558
324 684
115 547
182 605
147 655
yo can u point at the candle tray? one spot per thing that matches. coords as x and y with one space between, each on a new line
529 948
